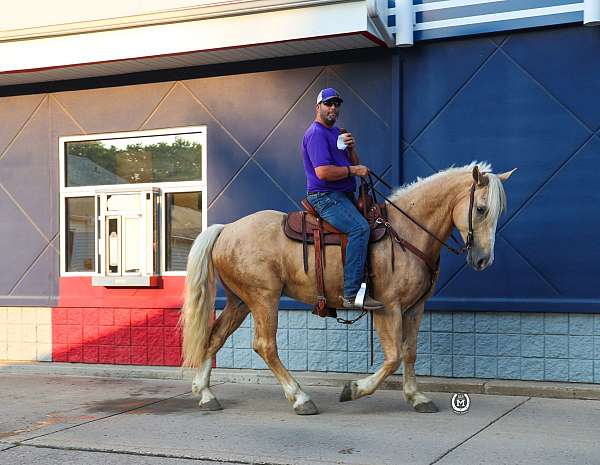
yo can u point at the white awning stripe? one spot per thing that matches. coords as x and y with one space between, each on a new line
450 18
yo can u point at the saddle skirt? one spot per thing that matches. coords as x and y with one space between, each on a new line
299 225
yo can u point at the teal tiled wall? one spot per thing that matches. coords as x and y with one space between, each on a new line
525 346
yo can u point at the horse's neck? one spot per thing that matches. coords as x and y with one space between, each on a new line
430 203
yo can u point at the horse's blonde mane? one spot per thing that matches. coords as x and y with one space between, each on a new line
496 194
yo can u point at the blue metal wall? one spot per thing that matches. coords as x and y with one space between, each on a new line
529 100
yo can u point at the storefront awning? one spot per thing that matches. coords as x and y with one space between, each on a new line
209 34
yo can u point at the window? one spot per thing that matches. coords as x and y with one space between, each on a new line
80 231
134 160
183 215
131 203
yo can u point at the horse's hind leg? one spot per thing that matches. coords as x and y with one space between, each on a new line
388 324
410 327
264 311
231 318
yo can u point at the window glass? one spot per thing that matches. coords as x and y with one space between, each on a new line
80 233
183 224
134 160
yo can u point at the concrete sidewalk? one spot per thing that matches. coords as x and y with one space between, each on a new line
87 420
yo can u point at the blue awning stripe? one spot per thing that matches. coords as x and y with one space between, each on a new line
486 8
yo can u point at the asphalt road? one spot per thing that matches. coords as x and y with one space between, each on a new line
84 420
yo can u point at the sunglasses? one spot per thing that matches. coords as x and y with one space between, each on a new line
330 103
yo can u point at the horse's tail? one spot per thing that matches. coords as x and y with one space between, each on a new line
200 293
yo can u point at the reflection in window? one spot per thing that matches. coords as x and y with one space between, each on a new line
80 233
184 223
134 160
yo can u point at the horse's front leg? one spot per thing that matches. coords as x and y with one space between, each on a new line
388 323
411 320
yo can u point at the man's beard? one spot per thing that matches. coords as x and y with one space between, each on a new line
330 118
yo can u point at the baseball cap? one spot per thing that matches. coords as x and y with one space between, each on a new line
327 94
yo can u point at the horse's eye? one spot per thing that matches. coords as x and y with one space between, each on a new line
481 210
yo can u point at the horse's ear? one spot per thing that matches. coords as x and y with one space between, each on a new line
504 176
480 178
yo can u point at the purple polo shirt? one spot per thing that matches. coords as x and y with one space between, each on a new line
319 148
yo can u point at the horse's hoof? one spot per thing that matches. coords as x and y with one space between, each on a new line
426 407
211 406
349 392
307 408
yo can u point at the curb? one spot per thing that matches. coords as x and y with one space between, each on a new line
558 390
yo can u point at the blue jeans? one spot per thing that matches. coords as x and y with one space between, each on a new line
337 209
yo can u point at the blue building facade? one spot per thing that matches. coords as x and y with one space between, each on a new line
526 99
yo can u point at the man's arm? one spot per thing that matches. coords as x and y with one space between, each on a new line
353 154
335 173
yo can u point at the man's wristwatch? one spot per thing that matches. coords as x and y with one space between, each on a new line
349 172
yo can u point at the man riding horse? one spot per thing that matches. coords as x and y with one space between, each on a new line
330 167
257 263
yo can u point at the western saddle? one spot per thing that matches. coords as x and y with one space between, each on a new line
307 227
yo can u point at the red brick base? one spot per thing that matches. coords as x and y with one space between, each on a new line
119 336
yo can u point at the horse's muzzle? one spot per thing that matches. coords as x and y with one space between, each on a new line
479 262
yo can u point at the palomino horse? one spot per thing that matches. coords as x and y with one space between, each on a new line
257 263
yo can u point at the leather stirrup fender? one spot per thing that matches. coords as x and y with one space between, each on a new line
304 243
321 305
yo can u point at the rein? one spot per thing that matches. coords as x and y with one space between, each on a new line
405 244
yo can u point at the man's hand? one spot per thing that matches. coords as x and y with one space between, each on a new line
359 170
348 139
350 142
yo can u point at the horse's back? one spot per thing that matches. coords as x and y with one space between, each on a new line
257 223
249 249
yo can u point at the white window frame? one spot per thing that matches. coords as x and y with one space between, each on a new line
164 187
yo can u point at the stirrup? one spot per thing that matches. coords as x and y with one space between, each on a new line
359 300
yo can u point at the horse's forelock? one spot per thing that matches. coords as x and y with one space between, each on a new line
496 198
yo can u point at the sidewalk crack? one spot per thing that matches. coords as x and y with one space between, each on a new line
512 409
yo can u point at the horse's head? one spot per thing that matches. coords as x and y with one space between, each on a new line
489 201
